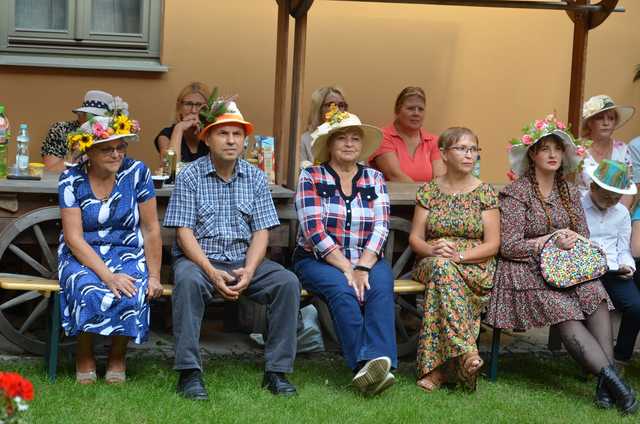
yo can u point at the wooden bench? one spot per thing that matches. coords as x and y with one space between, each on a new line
45 288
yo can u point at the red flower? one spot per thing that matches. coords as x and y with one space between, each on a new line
512 175
13 385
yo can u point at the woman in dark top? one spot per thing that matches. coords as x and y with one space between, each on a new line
182 136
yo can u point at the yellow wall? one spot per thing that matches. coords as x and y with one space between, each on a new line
489 69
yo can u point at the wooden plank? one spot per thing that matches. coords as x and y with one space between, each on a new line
502 4
578 68
280 91
297 88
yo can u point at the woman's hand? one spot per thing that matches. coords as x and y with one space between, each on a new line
443 249
566 239
154 288
360 284
122 284
190 121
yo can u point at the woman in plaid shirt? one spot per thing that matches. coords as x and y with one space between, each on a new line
343 209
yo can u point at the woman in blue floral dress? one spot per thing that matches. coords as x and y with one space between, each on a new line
110 248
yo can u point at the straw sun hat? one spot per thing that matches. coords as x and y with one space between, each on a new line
337 121
601 103
102 129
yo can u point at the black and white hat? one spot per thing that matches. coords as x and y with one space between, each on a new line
96 102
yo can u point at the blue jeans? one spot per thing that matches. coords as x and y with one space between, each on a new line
365 332
626 298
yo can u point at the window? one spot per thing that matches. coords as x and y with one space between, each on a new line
98 34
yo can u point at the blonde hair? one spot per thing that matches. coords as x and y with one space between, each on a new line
317 100
193 87
451 135
409 92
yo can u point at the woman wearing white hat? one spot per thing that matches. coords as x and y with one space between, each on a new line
537 205
110 247
601 116
343 210
54 147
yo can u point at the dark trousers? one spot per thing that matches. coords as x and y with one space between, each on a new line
365 331
626 298
272 285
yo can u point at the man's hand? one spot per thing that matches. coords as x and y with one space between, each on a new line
221 280
243 279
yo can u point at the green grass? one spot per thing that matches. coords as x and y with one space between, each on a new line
530 389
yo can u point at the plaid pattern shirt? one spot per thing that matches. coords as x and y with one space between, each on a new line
330 220
223 215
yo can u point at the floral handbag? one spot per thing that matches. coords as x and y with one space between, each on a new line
562 269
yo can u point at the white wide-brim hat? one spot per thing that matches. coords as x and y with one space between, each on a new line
95 102
372 136
519 158
601 103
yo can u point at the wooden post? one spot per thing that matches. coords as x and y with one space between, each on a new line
578 61
297 88
280 91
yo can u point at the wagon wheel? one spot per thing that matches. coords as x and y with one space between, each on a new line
29 243
408 313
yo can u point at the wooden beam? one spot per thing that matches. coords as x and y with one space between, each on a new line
297 88
510 4
280 91
578 61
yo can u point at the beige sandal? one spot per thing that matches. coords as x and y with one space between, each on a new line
115 377
468 370
88 377
432 381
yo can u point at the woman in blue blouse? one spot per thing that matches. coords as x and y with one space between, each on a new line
110 247
343 209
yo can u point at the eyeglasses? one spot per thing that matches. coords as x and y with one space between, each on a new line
341 105
464 150
192 105
108 151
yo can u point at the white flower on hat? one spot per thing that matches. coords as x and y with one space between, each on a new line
118 104
595 105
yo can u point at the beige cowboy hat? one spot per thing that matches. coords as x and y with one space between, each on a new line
341 121
600 103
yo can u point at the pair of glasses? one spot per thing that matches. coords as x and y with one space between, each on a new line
108 151
192 105
341 105
464 150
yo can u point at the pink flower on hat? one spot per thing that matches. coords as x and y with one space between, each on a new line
539 124
512 175
580 151
527 139
99 130
561 125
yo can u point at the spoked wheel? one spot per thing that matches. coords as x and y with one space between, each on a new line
408 293
28 246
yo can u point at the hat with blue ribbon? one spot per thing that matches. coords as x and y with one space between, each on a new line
613 176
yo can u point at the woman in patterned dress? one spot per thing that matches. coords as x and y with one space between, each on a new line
533 207
110 247
456 230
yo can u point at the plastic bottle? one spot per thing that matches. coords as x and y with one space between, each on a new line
4 133
476 168
22 148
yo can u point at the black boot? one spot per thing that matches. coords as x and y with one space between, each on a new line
624 397
603 397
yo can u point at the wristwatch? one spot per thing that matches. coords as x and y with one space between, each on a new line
362 268
460 256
